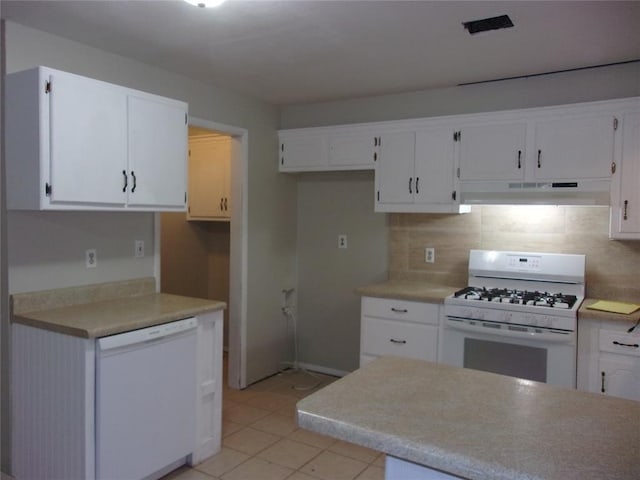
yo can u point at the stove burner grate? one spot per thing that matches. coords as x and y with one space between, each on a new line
518 297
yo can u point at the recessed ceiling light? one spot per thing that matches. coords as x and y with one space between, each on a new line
205 3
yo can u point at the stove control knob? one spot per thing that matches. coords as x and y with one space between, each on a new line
545 322
467 313
506 317
531 320
479 314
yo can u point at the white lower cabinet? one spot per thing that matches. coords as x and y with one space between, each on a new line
609 359
53 396
398 327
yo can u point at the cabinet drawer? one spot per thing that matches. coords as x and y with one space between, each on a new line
388 337
405 310
618 342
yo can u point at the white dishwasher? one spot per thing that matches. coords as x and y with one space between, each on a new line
145 400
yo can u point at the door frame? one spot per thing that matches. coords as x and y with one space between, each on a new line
237 377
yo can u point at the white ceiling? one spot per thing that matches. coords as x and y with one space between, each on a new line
296 51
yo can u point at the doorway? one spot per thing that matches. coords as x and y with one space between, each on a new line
207 258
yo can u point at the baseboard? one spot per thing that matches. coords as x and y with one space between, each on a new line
316 368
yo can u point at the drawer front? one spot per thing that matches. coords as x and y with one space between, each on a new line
388 337
406 310
618 342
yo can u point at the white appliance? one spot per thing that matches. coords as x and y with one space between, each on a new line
145 401
517 316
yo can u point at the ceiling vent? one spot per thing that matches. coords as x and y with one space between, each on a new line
486 24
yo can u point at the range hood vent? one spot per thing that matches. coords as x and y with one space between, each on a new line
570 192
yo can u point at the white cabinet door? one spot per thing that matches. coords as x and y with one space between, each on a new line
304 152
390 337
492 151
353 149
157 152
620 375
574 148
395 177
625 207
434 166
88 141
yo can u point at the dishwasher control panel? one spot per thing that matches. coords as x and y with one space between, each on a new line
147 334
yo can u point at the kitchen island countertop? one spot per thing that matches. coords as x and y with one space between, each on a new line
478 425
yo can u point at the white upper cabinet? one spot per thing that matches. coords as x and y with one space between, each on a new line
358 150
395 169
492 151
579 147
88 141
157 152
415 172
625 195
305 152
75 143
328 149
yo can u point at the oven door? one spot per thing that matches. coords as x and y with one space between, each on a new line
532 353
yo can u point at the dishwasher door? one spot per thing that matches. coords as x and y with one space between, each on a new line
145 400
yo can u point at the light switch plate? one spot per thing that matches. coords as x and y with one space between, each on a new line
342 241
139 248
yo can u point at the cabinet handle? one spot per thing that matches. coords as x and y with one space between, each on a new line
126 180
225 204
632 345
399 310
417 182
602 382
519 157
613 167
539 153
133 174
410 182
624 212
221 204
397 342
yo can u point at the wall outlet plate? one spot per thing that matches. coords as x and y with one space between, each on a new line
429 255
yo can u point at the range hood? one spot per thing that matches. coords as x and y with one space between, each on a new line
565 192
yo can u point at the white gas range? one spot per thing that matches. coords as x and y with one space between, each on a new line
517 316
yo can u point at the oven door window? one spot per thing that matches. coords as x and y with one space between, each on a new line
520 361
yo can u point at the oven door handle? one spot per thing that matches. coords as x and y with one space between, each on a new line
502 330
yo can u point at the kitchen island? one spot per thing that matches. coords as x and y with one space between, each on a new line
477 425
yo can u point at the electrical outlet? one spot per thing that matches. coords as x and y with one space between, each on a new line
429 255
91 258
342 241
139 248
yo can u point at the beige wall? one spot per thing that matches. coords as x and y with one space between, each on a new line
328 308
195 260
612 265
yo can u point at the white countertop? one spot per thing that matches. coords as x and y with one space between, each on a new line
478 425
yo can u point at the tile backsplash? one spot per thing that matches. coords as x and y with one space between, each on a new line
613 266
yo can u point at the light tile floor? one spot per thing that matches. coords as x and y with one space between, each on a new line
261 440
